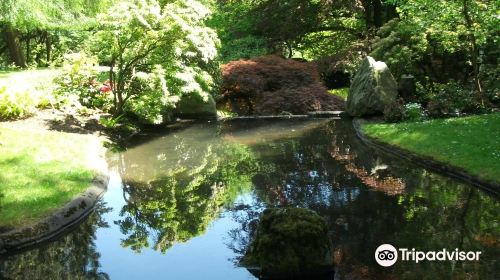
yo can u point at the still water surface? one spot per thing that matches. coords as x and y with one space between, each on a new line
179 204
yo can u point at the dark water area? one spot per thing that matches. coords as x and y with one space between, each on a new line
179 206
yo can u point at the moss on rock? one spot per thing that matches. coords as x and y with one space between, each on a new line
290 243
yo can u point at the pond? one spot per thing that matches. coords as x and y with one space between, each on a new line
179 205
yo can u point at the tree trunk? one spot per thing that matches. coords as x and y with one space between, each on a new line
474 51
28 50
367 5
377 13
48 46
14 47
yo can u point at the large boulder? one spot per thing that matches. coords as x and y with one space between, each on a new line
290 243
194 107
372 88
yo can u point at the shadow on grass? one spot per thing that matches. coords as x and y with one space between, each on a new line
73 125
30 191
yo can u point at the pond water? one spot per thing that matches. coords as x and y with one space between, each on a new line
179 205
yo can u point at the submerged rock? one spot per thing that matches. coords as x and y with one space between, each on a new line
372 88
290 243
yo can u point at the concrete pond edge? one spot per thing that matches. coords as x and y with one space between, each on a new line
491 187
309 115
57 223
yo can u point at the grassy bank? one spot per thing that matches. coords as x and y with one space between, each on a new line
340 92
41 171
471 143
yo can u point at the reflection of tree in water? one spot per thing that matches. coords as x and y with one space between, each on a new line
379 200
194 178
74 256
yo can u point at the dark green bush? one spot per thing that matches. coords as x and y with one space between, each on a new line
451 99
394 112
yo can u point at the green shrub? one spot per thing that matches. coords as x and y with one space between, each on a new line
16 104
394 111
451 99
79 78
150 105
413 112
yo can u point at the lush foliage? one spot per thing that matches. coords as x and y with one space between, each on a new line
156 54
38 32
467 143
413 112
441 40
232 22
271 85
22 93
78 83
451 99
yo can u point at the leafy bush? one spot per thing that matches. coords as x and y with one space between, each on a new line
79 78
172 39
451 99
394 111
491 83
150 104
16 103
402 46
271 85
413 112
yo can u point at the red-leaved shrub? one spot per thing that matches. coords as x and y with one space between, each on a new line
270 85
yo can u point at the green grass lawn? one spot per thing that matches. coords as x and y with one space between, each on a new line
41 171
340 92
28 79
471 143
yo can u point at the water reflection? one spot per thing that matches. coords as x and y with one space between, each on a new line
175 186
73 256
200 189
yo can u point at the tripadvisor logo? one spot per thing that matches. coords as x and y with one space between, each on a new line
387 255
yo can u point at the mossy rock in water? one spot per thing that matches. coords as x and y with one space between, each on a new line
290 243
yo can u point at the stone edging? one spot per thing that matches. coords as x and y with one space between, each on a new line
70 215
427 162
315 114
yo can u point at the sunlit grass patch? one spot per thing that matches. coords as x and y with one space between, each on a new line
41 171
471 143
340 92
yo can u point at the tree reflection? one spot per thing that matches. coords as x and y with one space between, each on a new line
191 183
74 256
370 199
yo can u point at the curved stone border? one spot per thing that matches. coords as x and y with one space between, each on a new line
48 228
315 114
427 162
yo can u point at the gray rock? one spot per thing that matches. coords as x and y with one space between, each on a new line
194 107
407 88
290 243
372 88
